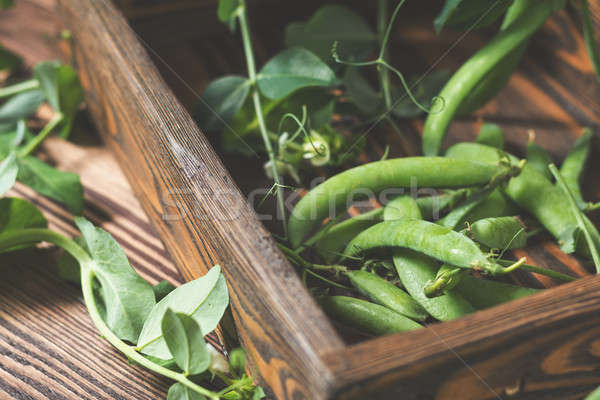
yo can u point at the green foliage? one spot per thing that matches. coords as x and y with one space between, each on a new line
161 289
22 105
62 90
293 69
59 185
204 299
9 60
221 101
127 297
364 97
179 391
329 24
8 173
185 341
226 9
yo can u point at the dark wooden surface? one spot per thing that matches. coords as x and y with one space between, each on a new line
544 347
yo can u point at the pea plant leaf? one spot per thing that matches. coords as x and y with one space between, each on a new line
127 297
204 299
20 106
179 391
16 213
293 69
61 88
470 14
329 24
59 185
185 341
221 101
161 289
8 173
226 10
9 60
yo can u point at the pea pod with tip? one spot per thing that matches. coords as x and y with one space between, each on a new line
466 79
535 194
436 241
365 316
415 270
336 193
386 294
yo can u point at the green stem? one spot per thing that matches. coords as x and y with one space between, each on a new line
588 36
539 270
27 236
384 73
19 88
258 108
592 207
36 141
578 216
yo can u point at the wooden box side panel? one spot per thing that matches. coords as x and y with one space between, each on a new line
546 346
193 203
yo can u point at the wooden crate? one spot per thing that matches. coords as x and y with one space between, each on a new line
543 347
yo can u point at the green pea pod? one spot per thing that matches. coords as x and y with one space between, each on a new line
481 65
453 219
497 78
401 207
537 195
595 395
539 159
432 206
337 193
491 135
333 242
366 317
415 270
495 205
499 233
485 293
436 241
445 280
386 294
574 164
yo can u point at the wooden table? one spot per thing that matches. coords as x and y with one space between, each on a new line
49 348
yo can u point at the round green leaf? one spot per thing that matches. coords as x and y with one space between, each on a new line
329 24
291 70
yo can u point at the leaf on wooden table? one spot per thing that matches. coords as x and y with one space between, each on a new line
59 185
127 297
204 299
185 341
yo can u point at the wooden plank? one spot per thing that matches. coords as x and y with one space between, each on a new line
172 167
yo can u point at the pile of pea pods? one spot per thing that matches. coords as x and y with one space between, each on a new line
416 260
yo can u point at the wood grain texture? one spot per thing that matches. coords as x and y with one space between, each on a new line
195 205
